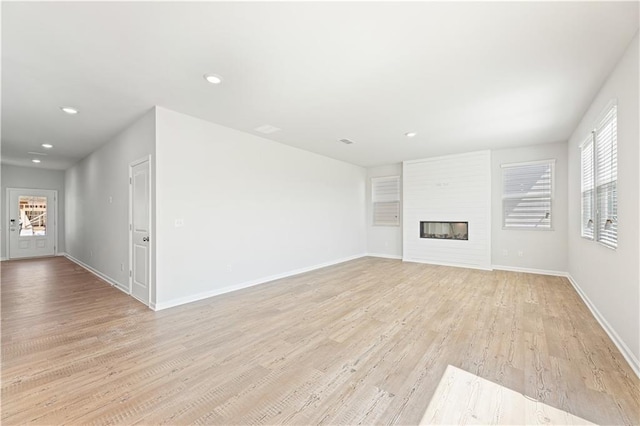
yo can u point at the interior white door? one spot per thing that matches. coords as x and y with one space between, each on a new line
140 231
32 222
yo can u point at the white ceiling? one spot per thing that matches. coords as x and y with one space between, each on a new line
465 76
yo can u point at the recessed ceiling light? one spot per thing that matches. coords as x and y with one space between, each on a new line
410 134
213 78
35 160
47 145
69 110
346 141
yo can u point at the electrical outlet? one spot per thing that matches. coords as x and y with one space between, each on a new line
229 267
505 252
520 253
110 199
90 253
179 223
122 266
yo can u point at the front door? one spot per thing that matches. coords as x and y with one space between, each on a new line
32 222
140 230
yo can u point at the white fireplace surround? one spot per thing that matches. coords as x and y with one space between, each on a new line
453 188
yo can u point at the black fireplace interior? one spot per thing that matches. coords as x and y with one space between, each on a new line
445 230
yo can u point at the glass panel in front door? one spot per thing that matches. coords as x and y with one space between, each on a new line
33 215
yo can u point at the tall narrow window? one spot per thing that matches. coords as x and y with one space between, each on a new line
587 179
385 195
527 195
606 179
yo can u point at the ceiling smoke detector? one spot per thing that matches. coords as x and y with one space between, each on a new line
347 141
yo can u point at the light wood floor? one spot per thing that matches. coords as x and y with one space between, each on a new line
365 341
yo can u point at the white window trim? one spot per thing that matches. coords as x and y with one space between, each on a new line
599 122
589 140
399 201
551 161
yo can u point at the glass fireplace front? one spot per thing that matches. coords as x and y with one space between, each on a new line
445 230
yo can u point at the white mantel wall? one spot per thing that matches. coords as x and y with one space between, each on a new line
451 188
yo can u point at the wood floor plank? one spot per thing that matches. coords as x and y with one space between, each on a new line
362 342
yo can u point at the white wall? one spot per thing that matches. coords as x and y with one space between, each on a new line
97 201
610 278
252 209
542 251
450 188
383 241
36 178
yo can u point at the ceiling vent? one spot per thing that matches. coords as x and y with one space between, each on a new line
267 129
347 141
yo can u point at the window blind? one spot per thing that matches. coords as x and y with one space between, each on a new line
587 179
385 196
606 179
527 192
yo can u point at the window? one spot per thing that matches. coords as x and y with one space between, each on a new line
527 194
586 177
599 174
385 195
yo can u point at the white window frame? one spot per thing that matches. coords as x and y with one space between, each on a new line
390 201
587 147
505 198
592 143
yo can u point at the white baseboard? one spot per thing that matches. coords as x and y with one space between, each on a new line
530 270
455 265
622 347
385 256
2 259
205 295
97 273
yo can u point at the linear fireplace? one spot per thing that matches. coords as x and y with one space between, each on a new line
445 230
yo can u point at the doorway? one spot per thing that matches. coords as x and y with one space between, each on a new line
32 222
140 229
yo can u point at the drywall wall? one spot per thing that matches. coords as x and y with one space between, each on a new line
383 241
542 251
609 279
455 188
97 202
234 209
36 178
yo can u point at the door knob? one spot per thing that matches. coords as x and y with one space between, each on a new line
145 239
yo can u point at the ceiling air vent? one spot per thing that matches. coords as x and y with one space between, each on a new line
347 141
267 129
